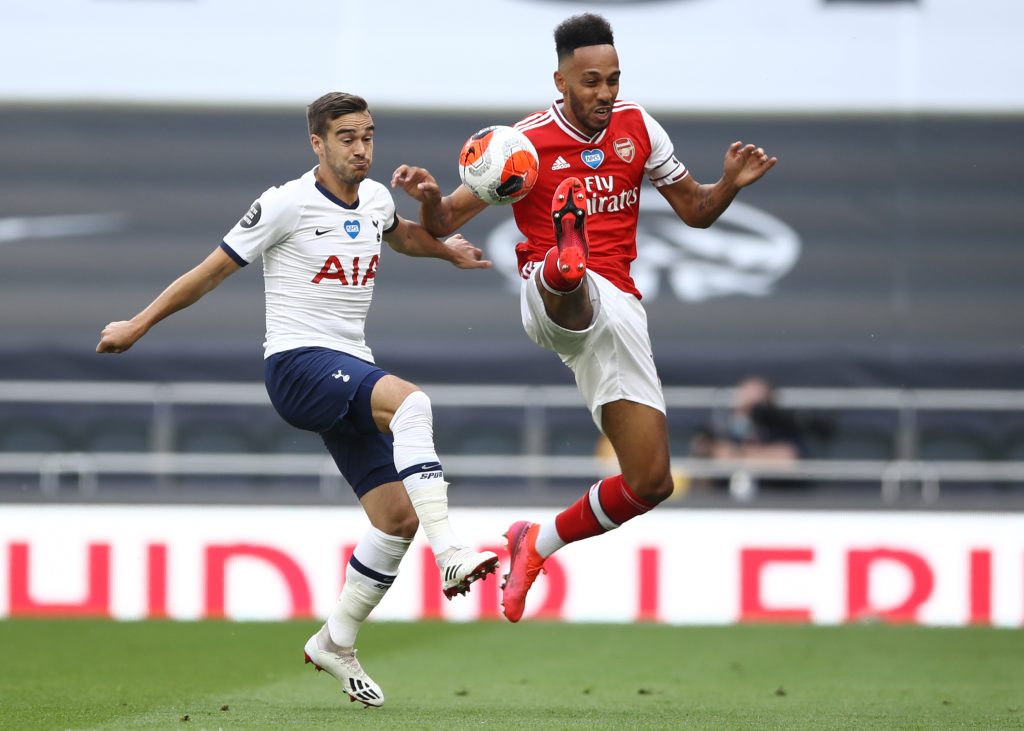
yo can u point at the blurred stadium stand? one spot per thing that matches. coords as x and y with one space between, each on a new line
892 285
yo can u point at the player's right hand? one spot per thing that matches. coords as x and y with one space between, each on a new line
417 182
118 336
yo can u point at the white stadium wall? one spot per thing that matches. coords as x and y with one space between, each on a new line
673 566
678 55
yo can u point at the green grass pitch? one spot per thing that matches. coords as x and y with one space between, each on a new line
216 675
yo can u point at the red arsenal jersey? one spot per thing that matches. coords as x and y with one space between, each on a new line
611 165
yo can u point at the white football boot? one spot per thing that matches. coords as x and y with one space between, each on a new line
463 566
343 665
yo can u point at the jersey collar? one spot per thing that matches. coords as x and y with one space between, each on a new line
561 121
331 197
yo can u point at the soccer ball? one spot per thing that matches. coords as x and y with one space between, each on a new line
499 165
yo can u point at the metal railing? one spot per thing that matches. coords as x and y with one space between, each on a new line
892 476
536 403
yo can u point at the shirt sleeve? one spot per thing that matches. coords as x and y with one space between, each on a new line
662 166
268 221
390 221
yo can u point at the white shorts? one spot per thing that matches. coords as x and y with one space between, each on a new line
612 358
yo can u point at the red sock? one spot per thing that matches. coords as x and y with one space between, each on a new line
552 275
606 505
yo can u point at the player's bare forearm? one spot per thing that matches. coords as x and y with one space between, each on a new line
118 336
450 213
436 217
700 205
712 200
412 239
187 289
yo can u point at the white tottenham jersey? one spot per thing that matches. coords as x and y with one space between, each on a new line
320 259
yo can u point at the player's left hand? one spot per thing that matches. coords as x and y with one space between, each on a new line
745 164
464 254
418 183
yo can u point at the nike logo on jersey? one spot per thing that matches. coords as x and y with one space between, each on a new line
318 232
343 376
560 164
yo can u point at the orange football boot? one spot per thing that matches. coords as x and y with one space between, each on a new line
569 214
524 565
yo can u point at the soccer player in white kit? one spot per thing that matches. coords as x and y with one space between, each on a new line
320 239
578 298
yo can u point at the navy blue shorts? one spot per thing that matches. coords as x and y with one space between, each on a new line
328 392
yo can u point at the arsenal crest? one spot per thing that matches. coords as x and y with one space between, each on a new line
624 149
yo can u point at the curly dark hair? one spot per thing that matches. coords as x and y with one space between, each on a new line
331 106
582 30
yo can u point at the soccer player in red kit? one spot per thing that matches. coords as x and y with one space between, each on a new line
578 298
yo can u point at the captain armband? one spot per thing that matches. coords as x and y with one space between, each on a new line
669 172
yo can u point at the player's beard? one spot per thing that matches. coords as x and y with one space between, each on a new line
354 177
349 176
585 121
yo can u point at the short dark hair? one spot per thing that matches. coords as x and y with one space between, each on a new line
582 30
331 106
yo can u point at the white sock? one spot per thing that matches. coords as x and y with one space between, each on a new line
368 576
420 471
548 540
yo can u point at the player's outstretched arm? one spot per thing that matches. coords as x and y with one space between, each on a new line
412 239
440 215
118 336
701 205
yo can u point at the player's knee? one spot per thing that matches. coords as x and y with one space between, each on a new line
415 405
419 401
654 488
401 523
407 527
